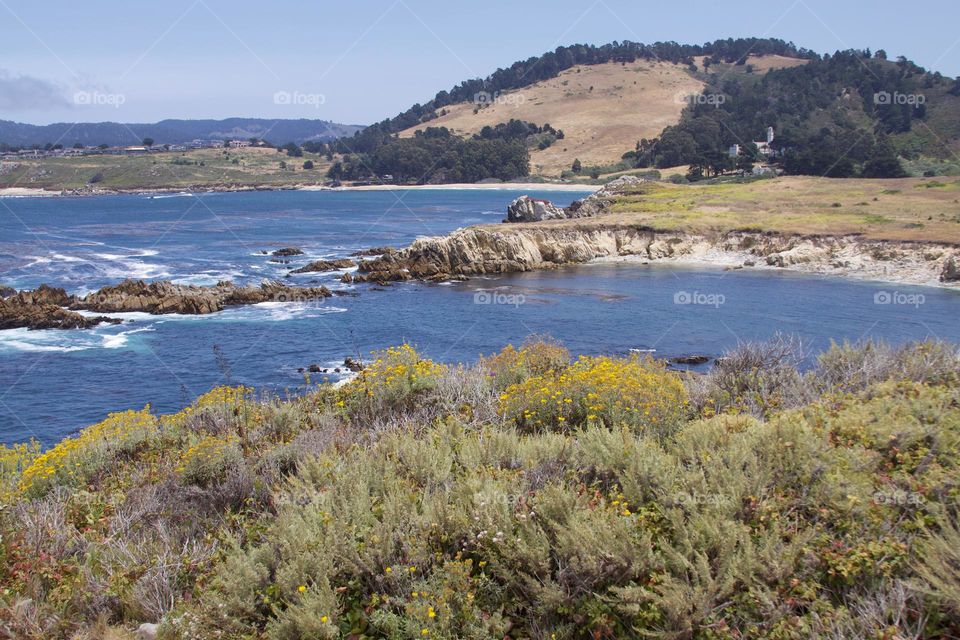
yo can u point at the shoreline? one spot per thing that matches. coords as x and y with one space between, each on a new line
499 249
731 262
35 192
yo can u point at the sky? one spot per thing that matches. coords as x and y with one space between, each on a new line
359 61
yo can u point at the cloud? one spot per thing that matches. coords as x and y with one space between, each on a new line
19 92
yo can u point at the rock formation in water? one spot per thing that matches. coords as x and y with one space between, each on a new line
165 297
326 265
288 251
43 308
52 308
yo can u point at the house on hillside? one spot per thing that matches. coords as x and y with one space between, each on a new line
239 144
763 146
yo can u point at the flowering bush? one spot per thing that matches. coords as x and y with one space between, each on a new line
535 357
635 392
73 460
13 461
209 460
394 378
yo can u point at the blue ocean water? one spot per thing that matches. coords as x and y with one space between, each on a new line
55 382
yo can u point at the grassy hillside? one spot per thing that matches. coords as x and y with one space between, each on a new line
599 108
205 168
525 497
917 209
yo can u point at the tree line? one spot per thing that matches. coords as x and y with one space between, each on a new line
839 115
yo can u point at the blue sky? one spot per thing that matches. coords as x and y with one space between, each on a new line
362 60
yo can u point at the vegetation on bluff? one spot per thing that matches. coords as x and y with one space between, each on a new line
423 500
849 114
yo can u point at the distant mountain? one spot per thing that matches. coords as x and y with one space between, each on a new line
172 131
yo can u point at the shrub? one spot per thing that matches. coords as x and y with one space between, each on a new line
637 393
759 378
74 461
395 378
536 356
854 367
208 461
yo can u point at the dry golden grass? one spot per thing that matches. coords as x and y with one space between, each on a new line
912 209
760 64
254 166
626 103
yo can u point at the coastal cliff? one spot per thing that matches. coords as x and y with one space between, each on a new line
508 249
635 220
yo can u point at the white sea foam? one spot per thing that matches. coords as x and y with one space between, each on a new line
119 340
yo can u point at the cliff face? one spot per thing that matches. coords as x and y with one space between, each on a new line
485 250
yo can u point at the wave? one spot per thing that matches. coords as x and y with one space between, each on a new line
164 196
119 340
276 311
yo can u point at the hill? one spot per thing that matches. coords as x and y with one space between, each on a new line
92 134
597 107
627 105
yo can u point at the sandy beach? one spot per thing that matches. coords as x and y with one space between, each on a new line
495 186
25 192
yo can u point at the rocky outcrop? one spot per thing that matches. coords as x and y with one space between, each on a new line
6 292
596 203
527 209
45 316
373 251
326 265
288 251
43 308
165 297
951 272
508 248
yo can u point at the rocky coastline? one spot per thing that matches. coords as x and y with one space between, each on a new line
53 308
552 237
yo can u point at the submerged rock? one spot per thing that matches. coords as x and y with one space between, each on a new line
694 360
288 251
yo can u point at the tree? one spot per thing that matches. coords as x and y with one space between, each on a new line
308 164
148 142
577 167
883 164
